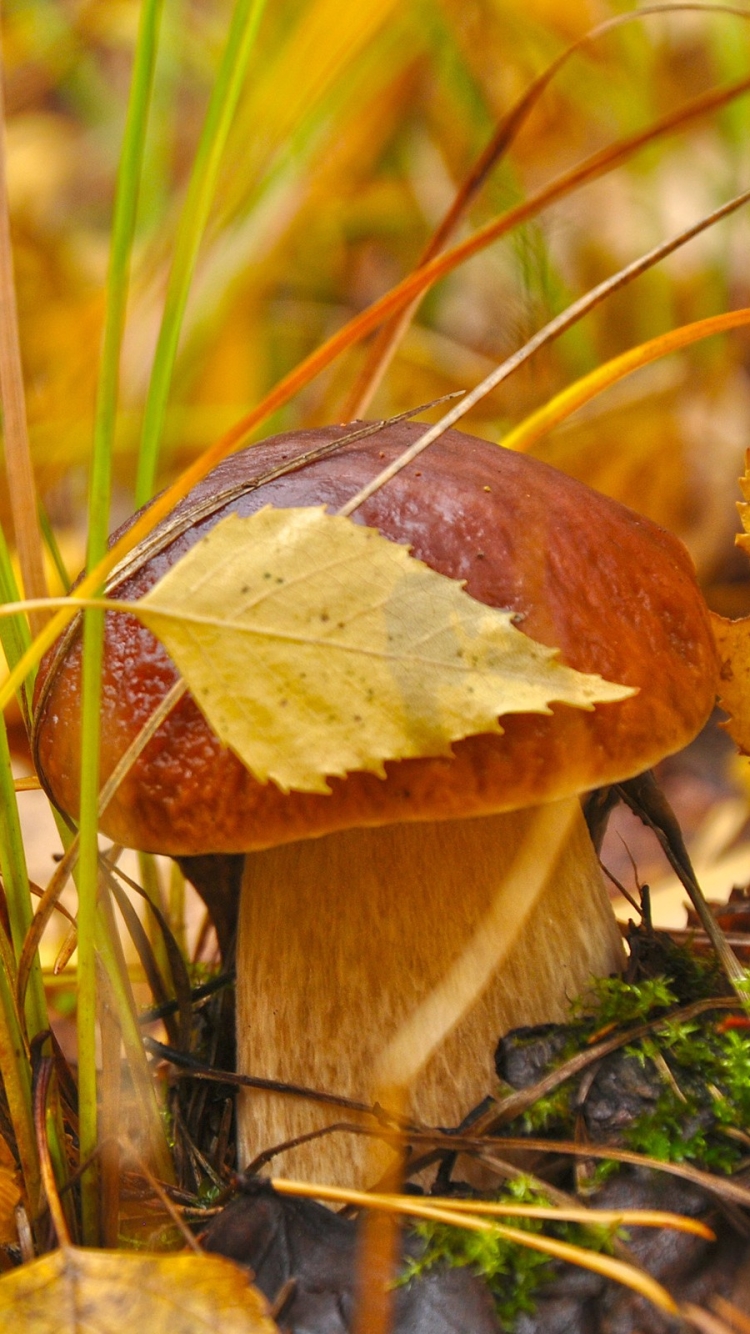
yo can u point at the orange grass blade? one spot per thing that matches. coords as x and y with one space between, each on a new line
606 1265
409 1204
568 317
351 332
386 342
541 422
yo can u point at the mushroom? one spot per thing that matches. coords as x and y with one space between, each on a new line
356 905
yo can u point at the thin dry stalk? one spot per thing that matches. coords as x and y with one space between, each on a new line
21 486
111 1108
41 1092
385 344
163 1198
610 1267
703 1321
446 1209
738 1320
354 330
550 331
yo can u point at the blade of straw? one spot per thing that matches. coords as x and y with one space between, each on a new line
21 486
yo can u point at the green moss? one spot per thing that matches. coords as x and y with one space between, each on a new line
698 1117
513 1273
612 1001
703 1068
700 1071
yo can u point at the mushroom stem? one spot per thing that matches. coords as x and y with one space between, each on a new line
373 945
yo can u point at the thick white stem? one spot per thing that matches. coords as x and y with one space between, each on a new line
400 953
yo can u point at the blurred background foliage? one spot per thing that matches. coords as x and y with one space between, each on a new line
354 131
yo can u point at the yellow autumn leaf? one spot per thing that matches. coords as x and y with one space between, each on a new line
743 539
314 647
106 1292
733 643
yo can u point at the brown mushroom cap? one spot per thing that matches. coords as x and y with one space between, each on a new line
615 593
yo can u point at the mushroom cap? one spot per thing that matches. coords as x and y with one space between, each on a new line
612 591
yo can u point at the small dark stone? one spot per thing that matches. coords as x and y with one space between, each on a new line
281 1239
525 1055
622 1089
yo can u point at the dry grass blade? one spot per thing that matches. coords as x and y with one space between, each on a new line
538 424
385 344
44 911
129 757
163 1197
704 1321
145 951
174 958
110 1084
354 330
739 1321
723 1187
43 1076
449 1207
508 1108
21 487
386 341
546 335
63 871
606 1265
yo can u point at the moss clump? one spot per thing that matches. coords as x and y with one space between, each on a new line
693 1099
513 1273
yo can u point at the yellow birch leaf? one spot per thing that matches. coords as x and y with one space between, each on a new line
314 647
106 1292
733 644
743 539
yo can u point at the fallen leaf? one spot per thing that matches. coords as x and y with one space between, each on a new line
733 644
314 646
106 1292
743 539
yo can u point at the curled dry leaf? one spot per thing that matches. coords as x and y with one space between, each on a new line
314 647
103 1292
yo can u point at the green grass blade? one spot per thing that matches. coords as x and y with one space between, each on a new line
16 882
123 230
51 543
17 1084
126 204
221 109
15 636
154 1145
